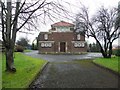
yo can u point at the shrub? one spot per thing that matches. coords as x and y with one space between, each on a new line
116 52
19 48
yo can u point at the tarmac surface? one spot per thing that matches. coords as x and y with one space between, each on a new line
66 71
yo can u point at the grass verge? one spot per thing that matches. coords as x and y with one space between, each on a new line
27 50
27 68
110 63
0 70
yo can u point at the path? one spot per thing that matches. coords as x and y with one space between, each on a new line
74 74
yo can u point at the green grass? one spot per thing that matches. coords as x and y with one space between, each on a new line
27 50
0 70
27 68
110 63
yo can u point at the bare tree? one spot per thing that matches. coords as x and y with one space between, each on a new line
101 27
22 14
23 42
117 23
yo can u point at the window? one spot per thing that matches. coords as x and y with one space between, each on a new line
42 44
46 44
79 44
49 45
75 45
83 44
78 37
46 36
54 29
71 29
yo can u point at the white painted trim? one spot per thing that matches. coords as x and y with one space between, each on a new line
46 36
59 46
66 47
78 36
46 41
78 41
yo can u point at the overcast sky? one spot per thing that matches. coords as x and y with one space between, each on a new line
73 7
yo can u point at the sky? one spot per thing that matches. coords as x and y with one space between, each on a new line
73 7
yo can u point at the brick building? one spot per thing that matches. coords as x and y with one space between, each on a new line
61 38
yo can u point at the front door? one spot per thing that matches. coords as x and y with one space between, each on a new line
62 46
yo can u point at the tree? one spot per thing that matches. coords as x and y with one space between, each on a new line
18 14
94 47
23 42
101 27
117 23
90 47
35 45
97 47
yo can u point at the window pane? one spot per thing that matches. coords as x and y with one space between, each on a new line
83 44
42 44
45 36
78 37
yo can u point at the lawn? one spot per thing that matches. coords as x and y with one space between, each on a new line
0 70
112 63
27 68
28 50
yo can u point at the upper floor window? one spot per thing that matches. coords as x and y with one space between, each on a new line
78 37
46 36
63 29
53 28
72 29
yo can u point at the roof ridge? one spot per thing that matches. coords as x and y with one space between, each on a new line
62 23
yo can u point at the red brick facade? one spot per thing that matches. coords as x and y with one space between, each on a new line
61 42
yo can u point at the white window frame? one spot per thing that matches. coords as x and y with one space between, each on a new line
75 45
42 45
83 44
46 44
49 44
78 37
46 36
78 44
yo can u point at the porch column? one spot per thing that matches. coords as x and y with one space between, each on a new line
66 47
58 46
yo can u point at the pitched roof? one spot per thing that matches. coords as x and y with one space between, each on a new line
62 23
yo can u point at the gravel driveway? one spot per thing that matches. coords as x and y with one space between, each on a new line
66 71
63 58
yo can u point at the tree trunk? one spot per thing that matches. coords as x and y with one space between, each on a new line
10 60
104 52
110 50
9 42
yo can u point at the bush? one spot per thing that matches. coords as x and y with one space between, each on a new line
19 48
116 52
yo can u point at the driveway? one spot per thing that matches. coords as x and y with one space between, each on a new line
68 71
63 58
82 74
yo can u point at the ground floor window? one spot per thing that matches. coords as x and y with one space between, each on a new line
46 44
79 44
